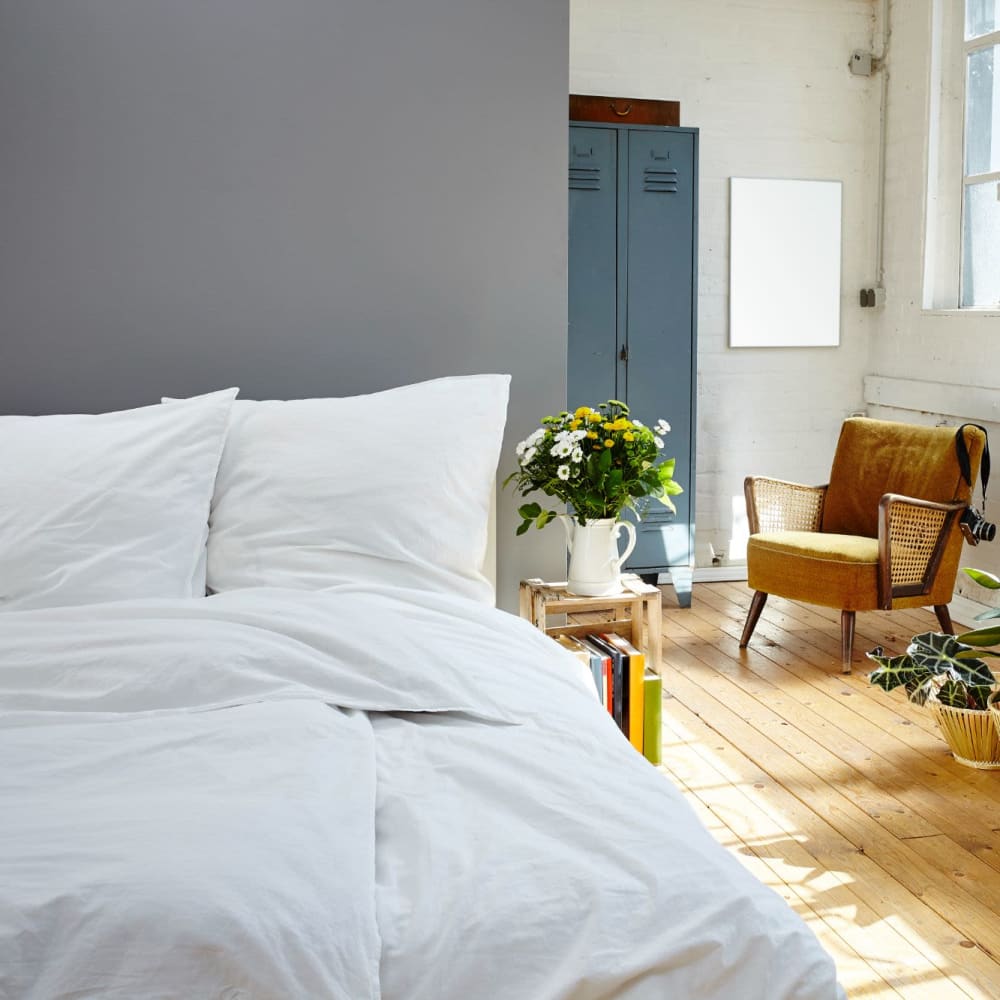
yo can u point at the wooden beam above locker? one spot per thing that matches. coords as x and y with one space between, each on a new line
623 110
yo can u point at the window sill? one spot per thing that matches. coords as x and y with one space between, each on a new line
992 312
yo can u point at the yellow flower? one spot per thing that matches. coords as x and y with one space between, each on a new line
609 443
581 412
609 426
629 436
594 418
574 424
592 435
621 424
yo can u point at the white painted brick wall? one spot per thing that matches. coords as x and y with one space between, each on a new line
767 83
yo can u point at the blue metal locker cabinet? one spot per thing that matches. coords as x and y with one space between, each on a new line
633 200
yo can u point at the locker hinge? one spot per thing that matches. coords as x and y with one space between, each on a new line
623 353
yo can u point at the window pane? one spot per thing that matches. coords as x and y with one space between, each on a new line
982 112
981 245
981 17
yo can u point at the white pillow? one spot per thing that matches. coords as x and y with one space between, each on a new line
389 488
108 506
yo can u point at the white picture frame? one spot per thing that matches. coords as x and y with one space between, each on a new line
784 262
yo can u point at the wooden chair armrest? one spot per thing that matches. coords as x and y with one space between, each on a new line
777 505
912 535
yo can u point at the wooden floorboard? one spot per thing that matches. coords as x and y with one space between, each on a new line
841 797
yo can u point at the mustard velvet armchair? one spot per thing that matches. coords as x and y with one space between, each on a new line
883 534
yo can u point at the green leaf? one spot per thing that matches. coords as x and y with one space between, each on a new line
988 636
605 459
544 518
666 468
529 511
893 671
985 615
938 654
984 579
522 527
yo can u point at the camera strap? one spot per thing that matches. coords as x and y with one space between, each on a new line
965 466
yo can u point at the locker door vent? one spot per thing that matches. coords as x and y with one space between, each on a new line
659 181
585 178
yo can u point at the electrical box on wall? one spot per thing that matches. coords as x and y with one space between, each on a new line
861 63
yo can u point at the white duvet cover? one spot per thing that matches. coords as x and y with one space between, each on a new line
350 794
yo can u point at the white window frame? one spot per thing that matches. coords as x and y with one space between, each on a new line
944 227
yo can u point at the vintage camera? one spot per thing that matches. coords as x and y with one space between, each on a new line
976 528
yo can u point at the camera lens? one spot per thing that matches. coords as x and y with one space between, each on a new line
987 531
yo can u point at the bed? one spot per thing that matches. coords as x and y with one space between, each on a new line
344 773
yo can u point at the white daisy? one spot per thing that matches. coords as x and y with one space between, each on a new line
562 450
535 437
658 441
563 472
577 455
662 427
638 423
521 448
528 456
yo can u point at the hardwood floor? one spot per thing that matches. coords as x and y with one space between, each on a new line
841 797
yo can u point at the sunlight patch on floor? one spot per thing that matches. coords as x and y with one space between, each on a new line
744 818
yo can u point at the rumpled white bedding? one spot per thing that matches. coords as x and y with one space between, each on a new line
274 795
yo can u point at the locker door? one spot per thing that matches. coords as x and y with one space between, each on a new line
593 265
660 324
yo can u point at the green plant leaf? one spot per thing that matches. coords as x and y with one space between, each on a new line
604 460
529 511
988 636
522 527
985 615
894 671
984 579
953 693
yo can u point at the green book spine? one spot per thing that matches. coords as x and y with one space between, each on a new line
652 695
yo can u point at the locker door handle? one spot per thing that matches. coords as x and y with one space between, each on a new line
623 353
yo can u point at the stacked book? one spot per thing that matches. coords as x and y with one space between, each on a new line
628 690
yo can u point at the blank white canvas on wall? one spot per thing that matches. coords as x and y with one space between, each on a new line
784 263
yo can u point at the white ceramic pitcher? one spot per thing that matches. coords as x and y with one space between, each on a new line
594 563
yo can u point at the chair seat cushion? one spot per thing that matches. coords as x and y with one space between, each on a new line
837 571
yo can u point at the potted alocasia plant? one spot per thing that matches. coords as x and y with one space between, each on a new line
950 675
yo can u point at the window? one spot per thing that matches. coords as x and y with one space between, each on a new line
980 270
962 221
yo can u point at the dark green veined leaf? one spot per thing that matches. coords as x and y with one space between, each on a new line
529 511
892 671
937 653
984 579
953 693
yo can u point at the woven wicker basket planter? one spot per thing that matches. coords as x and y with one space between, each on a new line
973 736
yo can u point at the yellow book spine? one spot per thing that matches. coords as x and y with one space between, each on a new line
636 695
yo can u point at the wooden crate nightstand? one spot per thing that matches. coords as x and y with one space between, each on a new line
634 612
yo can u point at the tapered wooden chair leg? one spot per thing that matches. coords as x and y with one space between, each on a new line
944 618
756 607
846 640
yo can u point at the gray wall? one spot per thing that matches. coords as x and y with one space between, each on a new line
299 197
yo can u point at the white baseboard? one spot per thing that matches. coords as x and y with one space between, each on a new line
714 574
963 611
